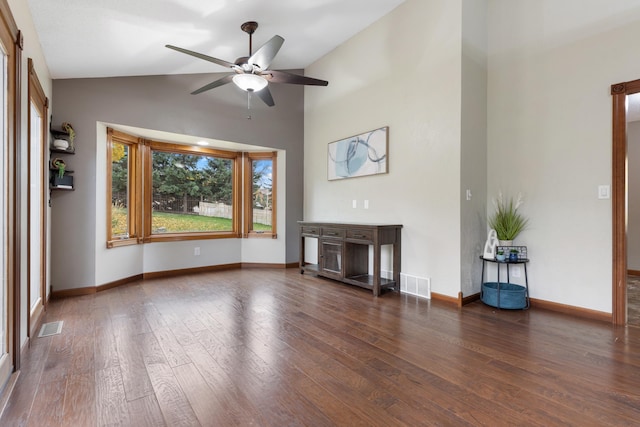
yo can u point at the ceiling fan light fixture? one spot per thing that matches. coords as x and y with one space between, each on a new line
250 82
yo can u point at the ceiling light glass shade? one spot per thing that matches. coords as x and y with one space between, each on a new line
250 82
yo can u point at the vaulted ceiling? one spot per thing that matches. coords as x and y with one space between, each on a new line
100 38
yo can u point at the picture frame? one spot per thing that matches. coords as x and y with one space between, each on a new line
359 155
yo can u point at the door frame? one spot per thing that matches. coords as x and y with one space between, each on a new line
36 95
619 92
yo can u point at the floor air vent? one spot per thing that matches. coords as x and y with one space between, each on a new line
420 286
53 328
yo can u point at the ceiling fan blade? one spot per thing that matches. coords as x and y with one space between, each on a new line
263 56
265 95
201 56
284 77
213 85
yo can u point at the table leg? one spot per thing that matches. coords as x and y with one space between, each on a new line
301 255
396 259
498 301
482 282
376 269
526 285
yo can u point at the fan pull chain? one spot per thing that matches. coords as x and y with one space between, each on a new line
248 105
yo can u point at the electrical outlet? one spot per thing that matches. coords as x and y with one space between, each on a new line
366 204
355 204
468 195
196 251
515 271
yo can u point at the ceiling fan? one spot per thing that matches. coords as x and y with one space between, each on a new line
251 73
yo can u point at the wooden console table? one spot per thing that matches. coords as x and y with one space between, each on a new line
343 252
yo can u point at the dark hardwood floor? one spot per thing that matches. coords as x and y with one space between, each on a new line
275 348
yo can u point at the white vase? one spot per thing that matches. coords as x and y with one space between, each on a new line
506 242
61 144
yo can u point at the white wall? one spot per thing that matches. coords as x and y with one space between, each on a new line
402 72
551 65
473 140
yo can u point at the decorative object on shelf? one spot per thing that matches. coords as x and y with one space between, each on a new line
359 155
520 251
58 163
72 134
61 144
500 256
61 168
490 245
513 255
506 219
60 179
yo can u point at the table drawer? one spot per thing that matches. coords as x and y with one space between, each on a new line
332 232
310 230
360 234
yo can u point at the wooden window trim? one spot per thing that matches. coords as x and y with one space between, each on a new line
248 194
36 95
148 192
12 43
135 188
141 196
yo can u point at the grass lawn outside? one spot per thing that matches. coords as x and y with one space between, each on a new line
163 222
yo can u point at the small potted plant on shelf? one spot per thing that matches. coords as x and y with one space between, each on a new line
61 168
506 219
500 256
72 134
60 179
513 255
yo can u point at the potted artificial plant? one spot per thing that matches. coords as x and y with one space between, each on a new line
506 219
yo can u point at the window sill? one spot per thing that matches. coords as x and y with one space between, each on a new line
173 237
122 242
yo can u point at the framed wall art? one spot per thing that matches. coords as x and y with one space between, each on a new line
359 155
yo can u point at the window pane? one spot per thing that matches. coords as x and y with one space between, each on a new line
191 193
120 191
262 190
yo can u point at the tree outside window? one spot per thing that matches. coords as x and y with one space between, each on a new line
159 191
191 193
260 195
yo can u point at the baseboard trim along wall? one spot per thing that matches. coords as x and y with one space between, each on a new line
572 310
64 293
444 298
460 300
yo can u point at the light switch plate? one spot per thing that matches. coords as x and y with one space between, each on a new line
604 192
